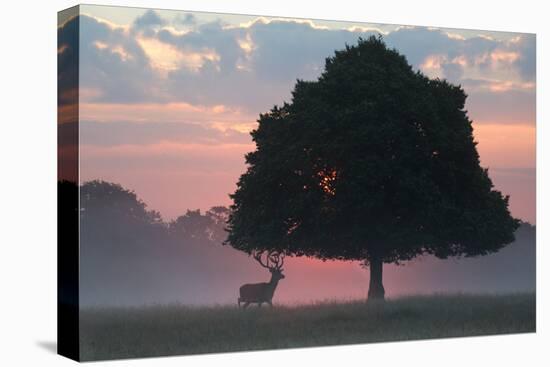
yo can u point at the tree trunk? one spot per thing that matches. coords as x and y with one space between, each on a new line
376 289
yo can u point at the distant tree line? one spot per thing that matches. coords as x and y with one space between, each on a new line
130 255
119 210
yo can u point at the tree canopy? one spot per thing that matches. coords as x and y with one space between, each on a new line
372 161
209 226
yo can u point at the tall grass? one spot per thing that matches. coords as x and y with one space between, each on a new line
107 333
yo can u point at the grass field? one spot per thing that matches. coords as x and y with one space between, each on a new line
107 333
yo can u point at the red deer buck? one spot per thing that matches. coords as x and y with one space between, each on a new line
263 292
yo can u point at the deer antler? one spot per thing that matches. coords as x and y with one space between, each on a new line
280 265
258 257
277 259
273 259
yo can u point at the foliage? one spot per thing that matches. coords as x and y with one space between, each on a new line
196 226
106 198
108 207
371 161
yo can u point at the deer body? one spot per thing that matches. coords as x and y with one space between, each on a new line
263 292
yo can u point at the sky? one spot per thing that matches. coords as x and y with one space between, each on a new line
168 98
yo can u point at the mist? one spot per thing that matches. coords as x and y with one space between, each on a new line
129 256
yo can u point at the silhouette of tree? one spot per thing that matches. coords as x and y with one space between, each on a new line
193 225
128 254
373 162
219 216
115 220
106 198
209 227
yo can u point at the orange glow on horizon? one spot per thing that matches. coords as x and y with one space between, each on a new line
506 146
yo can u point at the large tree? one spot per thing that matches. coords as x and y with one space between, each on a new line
372 162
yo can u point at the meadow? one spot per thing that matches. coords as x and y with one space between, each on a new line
161 330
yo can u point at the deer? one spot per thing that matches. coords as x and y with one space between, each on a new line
263 292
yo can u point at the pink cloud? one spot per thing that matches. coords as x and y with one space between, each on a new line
217 116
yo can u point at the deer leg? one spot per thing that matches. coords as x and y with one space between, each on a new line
259 304
239 302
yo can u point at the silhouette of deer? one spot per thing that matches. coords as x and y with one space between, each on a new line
263 292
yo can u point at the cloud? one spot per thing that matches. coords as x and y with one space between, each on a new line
210 36
526 63
453 70
149 18
187 19
122 133
286 50
67 64
417 43
219 116
165 105
255 65
497 86
148 22
459 57
114 64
